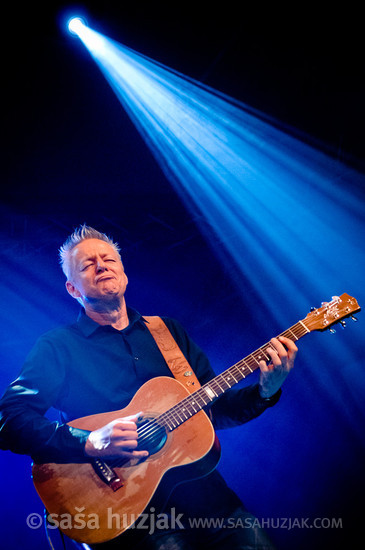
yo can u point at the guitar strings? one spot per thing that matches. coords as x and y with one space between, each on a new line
152 430
170 415
298 330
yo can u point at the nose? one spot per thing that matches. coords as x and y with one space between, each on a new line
101 266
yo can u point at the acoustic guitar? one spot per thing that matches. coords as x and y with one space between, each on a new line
98 500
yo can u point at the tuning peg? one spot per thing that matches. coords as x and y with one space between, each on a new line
354 318
343 324
313 308
332 330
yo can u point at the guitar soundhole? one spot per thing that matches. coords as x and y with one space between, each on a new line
151 435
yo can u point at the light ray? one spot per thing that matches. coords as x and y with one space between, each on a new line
269 203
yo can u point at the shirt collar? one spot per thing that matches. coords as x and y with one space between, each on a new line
88 326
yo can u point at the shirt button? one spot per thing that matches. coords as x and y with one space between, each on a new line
136 358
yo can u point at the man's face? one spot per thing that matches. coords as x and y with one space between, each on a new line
96 272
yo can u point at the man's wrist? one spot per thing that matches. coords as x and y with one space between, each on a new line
269 399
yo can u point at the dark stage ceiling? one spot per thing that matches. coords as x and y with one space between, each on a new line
69 147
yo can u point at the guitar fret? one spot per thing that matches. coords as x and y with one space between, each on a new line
178 414
181 418
202 398
255 359
226 381
248 366
171 426
234 378
199 398
238 375
263 355
173 422
210 392
291 332
220 387
238 370
305 328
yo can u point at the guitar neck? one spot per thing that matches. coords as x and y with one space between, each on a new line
323 318
213 389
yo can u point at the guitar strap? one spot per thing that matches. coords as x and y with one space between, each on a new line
173 355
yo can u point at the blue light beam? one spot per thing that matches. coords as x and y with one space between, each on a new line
286 219
268 202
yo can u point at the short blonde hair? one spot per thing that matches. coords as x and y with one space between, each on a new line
81 234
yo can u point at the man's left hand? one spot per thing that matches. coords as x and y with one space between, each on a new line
282 354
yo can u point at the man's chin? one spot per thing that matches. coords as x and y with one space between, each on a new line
108 288
107 297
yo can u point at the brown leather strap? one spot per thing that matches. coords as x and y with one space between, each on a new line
173 355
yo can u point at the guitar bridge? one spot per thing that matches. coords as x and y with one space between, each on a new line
107 474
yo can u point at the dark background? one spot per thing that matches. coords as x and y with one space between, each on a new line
71 155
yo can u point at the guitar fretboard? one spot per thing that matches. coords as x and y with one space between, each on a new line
213 389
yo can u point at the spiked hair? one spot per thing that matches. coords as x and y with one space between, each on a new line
81 234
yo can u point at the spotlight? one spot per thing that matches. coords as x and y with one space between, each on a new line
76 24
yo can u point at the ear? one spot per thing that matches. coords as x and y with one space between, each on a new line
72 290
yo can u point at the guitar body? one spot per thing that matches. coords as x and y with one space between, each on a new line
87 509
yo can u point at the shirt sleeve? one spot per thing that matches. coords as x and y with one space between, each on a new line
23 427
237 405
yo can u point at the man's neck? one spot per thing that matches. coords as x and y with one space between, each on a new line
115 316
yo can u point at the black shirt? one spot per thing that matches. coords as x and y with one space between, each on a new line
85 368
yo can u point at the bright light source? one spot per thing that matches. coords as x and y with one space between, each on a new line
94 41
76 24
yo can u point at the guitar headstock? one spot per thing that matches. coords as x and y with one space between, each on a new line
331 313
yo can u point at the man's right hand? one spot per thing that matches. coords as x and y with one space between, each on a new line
119 438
